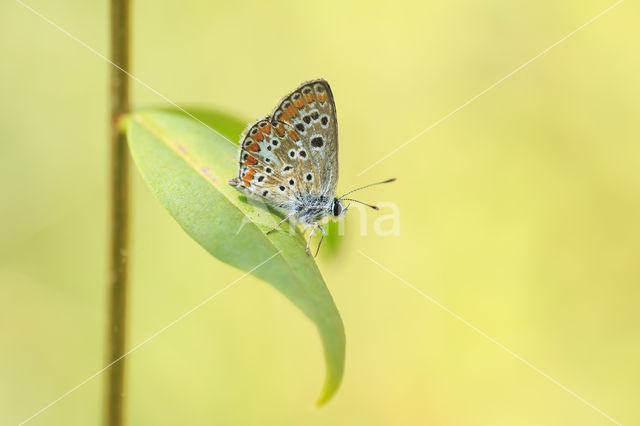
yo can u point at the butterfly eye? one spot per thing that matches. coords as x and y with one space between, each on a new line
265 193
287 168
292 182
315 114
337 208
275 142
324 120
292 153
306 119
268 170
308 177
303 154
300 126
260 178
282 188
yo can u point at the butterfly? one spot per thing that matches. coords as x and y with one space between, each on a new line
289 160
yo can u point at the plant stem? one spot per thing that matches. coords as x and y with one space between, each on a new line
119 251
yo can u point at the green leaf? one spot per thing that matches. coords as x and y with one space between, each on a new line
187 165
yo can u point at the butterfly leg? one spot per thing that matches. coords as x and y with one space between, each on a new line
321 238
281 222
316 225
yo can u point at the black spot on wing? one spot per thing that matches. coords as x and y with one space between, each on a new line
317 142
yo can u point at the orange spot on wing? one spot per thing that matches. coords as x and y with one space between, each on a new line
290 111
284 116
266 129
322 97
248 176
309 97
254 147
298 103
257 137
294 135
250 161
279 129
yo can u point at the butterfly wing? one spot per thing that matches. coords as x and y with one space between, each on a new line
311 112
292 155
263 169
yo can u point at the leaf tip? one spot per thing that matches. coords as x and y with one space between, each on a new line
329 389
324 398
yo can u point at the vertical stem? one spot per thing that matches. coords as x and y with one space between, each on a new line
114 398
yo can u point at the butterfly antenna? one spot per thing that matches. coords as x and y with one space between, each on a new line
366 186
356 201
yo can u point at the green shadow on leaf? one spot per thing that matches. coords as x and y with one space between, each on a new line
333 241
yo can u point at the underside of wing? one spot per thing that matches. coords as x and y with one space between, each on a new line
292 156
268 158
311 111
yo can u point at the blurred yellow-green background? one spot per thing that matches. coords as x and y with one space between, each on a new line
520 213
